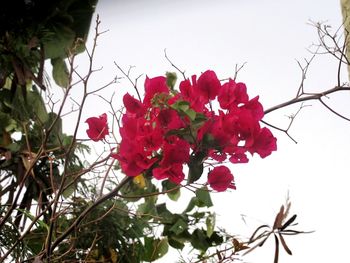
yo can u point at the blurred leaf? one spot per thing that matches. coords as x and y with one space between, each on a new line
60 72
191 114
4 120
35 240
14 147
175 193
199 120
198 215
195 171
147 209
31 108
179 226
166 216
58 44
155 248
41 223
195 167
203 196
121 208
11 126
193 202
180 105
56 135
210 222
199 240
171 79
70 189
81 11
36 105
133 193
175 242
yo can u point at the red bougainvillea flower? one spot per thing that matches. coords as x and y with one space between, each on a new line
221 178
169 119
264 144
176 152
161 133
133 160
173 172
188 93
208 85
255 107
133 105
154 86
98 127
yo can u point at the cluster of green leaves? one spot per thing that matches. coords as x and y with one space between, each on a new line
29 132
34 152
194 227
33 31
107 234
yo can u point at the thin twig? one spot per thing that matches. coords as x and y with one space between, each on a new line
128 77
173 65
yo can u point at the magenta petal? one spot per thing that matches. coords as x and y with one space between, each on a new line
98 127
220 178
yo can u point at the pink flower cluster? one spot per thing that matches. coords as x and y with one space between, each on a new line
169 129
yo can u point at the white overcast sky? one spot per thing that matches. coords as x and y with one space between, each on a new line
270 36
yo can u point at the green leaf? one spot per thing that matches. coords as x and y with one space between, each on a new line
199 240
208 141
70 189
195 171
14 147
203 196
200 119
215 239
181 105
36 106
179 226
58 44
41 223
198 215
133 192
60 72
166 216
121 208
81 11
56 135
12 125
176 243
4 120
210 222
175 193
148 208
171 79
35 240
155 248
195 167
193 202
191 114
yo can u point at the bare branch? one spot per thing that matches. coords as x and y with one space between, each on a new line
173 65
